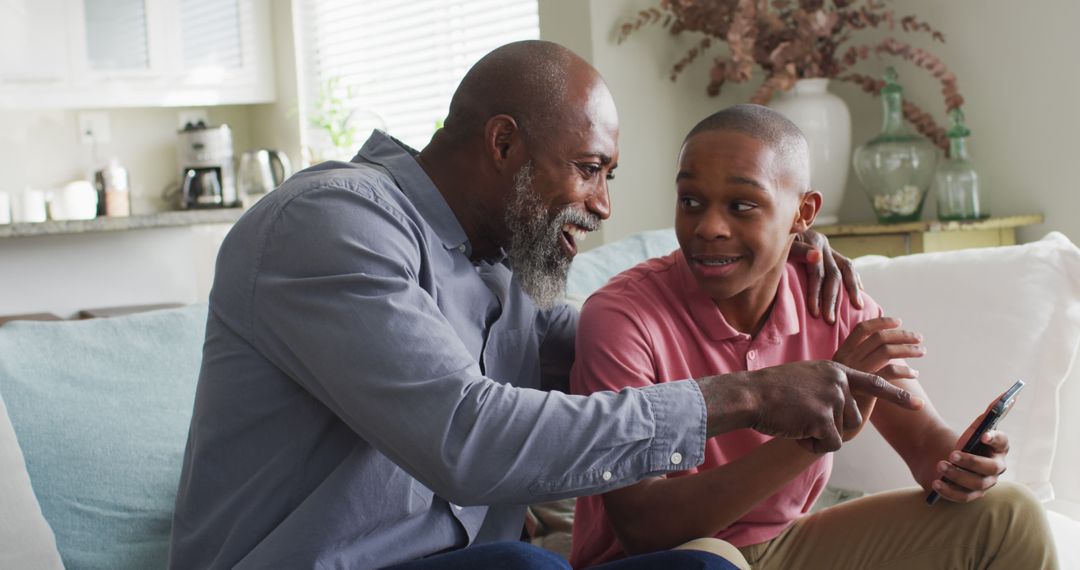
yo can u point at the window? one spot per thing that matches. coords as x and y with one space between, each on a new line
394 65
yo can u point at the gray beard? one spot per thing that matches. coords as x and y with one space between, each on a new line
536 253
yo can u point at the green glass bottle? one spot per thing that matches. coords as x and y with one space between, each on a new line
960 196
897 166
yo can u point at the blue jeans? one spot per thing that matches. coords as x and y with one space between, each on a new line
524 556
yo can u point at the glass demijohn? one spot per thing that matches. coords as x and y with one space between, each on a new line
897 166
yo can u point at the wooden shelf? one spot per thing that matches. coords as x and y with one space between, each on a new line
854 240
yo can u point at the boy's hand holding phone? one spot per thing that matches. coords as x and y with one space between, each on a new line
979 458
870 347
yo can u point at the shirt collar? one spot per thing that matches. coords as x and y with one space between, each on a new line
399 160
783 320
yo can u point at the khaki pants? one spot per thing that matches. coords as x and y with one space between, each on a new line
1006 529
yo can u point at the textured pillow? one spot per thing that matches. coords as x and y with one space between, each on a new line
989 317
101 410
26 541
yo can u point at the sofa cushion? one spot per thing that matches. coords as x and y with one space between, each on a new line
26 541
101 410
989 317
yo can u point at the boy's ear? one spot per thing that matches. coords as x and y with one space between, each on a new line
809 206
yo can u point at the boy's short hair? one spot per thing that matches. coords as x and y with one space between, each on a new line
765 125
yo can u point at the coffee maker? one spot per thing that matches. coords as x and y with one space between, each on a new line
205 155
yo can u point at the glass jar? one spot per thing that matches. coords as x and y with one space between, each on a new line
960 196
896 167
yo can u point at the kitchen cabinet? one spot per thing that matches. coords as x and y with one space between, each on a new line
134 53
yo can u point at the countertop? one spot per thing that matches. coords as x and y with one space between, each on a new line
140 222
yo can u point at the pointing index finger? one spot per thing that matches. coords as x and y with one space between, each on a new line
875 385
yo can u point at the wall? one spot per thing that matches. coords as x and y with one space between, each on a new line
277 125
1015 66
41 149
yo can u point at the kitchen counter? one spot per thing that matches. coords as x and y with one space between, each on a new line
140 222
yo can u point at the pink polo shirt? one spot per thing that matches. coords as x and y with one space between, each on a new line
652 324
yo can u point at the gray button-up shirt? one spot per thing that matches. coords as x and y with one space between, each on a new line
369 395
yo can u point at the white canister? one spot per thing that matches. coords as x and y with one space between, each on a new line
77 200
29 206
5 208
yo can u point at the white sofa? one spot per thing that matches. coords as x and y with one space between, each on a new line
989 317
99 409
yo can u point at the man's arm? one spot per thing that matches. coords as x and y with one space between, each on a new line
338 306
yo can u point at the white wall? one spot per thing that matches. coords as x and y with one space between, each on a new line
63 274
1016 67
277 125
41 149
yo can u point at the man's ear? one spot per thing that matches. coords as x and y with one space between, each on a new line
809 206
502 140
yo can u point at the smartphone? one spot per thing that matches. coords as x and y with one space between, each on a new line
997 411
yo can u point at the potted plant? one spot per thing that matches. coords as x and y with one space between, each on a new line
799 45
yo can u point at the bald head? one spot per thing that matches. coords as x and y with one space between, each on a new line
769 127
536 82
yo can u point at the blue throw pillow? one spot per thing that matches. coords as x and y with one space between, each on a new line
592 269
101 410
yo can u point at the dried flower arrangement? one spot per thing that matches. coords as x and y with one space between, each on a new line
796 39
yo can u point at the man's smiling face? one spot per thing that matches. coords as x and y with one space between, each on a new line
737 203
561 193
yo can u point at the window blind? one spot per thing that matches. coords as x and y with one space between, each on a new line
398 62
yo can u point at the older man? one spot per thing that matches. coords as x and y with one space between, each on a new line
385 355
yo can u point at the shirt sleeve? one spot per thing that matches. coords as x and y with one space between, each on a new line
614 350
337 304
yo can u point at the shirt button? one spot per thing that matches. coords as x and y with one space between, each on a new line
752 354
676 458
606 476
461 248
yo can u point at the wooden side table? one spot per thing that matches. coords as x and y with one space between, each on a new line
854 240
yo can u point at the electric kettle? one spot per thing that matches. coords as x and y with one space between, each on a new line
260 172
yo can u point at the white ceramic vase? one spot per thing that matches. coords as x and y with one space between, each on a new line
825 120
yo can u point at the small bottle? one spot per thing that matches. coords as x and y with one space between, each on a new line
114 195
960 196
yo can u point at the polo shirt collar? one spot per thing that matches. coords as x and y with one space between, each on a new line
783 320
399 160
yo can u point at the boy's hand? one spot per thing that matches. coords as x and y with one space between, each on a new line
827 270
869 348
966 477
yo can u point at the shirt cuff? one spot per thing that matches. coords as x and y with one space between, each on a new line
680 417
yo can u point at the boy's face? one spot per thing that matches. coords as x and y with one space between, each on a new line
740 202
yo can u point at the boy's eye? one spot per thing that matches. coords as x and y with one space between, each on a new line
688 202
742 206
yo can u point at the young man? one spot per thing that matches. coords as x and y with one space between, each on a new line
728 302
